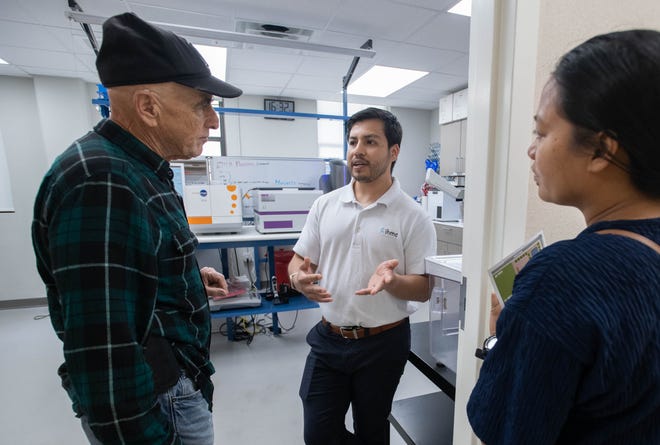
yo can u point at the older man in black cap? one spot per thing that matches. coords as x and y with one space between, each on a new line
114 249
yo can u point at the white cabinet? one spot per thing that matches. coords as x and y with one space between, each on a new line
449 236
446 113
459 105
453 139
453 107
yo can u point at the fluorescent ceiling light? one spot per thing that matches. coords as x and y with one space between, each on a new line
216 57
464 7
3 62
381 81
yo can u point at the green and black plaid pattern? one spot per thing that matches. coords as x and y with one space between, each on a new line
115 251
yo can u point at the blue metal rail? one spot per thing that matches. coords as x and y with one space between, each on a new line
279 113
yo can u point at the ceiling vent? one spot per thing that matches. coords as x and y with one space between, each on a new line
274 30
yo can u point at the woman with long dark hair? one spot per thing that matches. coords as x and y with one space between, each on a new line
577 358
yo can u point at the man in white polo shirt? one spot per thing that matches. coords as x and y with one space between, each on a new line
361 255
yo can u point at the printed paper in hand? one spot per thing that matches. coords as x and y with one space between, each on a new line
502 274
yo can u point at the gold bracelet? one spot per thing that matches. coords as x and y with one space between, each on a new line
291 277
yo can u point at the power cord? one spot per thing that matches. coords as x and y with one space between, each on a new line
245 328
282 327
238 267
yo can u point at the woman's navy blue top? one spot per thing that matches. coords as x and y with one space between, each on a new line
577 359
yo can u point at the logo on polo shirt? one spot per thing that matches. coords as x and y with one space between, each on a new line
387 232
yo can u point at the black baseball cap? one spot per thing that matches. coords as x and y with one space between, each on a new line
133 52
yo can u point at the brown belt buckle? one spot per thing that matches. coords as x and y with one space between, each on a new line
352 329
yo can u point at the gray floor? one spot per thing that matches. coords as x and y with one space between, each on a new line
256 397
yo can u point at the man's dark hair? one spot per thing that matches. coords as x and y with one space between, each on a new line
391 125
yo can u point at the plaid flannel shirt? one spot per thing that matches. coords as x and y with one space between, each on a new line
115 251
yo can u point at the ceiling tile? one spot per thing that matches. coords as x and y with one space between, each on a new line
404 55
416 34
314 94
182 15
447 31
322 65
458 67
379 19
254 77
435 5
319 83
11 70
264 60
28 35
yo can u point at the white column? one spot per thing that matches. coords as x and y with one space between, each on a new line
503 41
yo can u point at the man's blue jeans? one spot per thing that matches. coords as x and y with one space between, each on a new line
185 408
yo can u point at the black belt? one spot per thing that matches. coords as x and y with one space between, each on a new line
357 332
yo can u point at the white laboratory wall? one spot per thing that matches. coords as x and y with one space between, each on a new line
254 135
24 147
565 24
30 146
410 167
248 135
41 116
6 200
65 111
435 127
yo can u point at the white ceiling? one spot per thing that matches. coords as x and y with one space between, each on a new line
37 39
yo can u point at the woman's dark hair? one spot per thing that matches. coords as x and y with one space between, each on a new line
611 84
393 131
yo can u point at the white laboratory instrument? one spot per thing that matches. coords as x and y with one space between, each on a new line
210 208
445 204
282 210
246 299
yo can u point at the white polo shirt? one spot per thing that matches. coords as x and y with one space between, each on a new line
348 242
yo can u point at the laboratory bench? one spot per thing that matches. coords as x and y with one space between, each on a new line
295 303
248 236
245 237
426 419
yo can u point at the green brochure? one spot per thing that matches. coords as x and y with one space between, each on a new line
502 274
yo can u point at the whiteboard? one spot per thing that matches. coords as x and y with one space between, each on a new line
261 172
250 173
6 203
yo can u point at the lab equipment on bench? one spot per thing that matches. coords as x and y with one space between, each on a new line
336 176
240 295
282 210
445 204
442 207
210 208
245 299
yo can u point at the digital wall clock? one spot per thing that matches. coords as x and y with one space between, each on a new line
279 105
